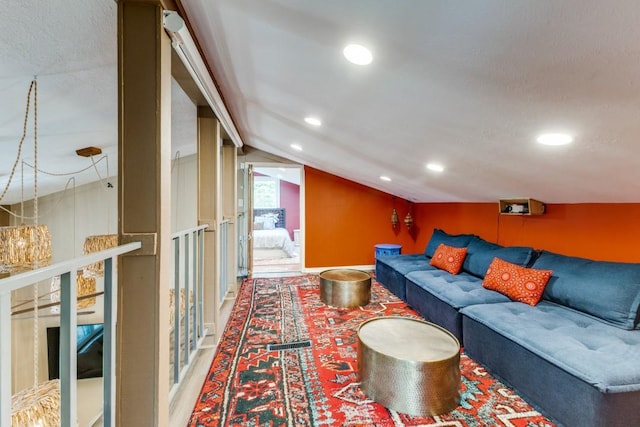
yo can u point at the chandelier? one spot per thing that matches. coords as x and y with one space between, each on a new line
86 292
37 406
24 247
93 244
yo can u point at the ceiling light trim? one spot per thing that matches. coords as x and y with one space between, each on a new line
435 167
313 121
357 54
555 139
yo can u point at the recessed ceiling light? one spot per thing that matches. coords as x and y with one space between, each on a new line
357 54
435 167
313 121
555 139
296 147
385 178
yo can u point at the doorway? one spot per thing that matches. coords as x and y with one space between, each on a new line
276 219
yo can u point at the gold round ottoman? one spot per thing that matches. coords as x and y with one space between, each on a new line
345 287
409 365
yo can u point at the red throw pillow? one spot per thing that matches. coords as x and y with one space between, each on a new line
518 283
448 258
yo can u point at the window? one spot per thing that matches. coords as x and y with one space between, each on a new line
266 192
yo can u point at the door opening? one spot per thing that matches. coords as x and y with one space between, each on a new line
276 219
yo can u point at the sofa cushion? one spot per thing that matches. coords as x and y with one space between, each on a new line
480 253
600 355
439 236
448 258
609 291
391 269
457 291
518 283
406 263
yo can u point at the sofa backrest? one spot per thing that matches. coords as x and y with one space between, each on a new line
440 236
480 253
607 290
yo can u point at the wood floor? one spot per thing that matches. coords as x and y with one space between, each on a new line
185 398
181 407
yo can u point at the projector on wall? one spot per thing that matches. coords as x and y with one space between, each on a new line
515 208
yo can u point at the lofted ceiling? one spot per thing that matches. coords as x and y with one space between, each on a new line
469 85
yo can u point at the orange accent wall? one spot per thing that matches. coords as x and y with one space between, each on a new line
344 220
603 231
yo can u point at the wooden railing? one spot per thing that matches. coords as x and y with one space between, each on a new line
188 319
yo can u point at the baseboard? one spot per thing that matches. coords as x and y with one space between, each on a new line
316 270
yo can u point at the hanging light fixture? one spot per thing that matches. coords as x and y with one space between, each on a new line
97 243
85 279
37 406
408 221
93 244
85 286
394 218
24 247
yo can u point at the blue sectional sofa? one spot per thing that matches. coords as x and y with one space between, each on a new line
575 355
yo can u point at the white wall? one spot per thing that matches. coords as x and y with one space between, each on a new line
74 214
71 216
184 193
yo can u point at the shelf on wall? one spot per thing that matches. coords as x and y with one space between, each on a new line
521 207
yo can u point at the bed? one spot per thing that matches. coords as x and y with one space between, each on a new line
269 231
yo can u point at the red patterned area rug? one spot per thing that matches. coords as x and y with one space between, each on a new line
313 382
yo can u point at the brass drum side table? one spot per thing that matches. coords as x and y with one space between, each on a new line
409 365
345 287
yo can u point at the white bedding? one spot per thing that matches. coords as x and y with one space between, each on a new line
278 238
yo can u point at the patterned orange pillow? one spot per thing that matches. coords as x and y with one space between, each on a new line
448 258
518 283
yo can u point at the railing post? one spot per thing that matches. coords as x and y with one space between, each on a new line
5 358
176 312
201 284
186 299
223 262
109 349
68 348
194 281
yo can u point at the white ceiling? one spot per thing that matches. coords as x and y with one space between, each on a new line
469 84
285 173
70 47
